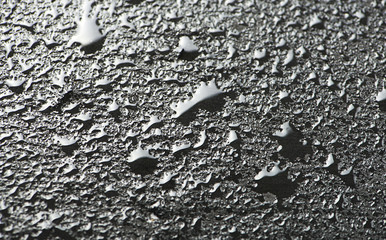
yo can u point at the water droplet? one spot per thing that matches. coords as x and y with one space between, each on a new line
172 16
65 141
83 117
286 131
265 173
275 64
59 80
138 154
15 85
103 83
113 107
232 137
281 43
177 148
312 77
351 109
381 96
152 122
9 49
202 139
260 54
187 45
231 52
290 58
330 161
283 95
166 178
187 49
68 145
142 162
316 22
346 171
203 93
302 51
118 63
88 32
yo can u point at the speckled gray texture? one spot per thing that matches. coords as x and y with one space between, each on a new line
282 135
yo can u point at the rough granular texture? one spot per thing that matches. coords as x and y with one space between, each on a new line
192 119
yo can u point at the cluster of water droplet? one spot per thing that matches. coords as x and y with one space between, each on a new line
182 118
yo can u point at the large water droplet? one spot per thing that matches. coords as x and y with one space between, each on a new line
187 49
142 162
203 92
88 32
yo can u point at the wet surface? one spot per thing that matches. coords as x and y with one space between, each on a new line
192 119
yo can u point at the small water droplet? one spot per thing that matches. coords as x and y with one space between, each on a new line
265 173
330 161
290 58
